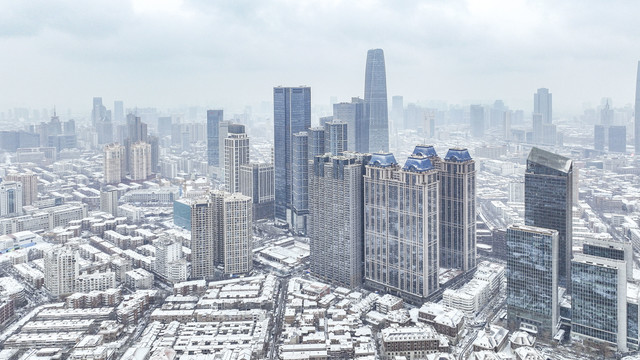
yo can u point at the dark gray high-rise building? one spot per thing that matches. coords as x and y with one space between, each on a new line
300 182
401 226
291 115
353 114
335 137
542 104
336 228
458 210
637 112
316 141
476 117
548 202
375 101
214 117
532 279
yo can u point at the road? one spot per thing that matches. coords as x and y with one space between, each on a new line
281 304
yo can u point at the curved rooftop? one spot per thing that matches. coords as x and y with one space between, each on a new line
425 150
383 160
460 155
418 164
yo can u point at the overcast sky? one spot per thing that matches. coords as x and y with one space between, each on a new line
167 53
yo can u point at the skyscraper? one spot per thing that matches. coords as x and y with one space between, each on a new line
114 163
316 141
375 101
214 117
207 245
401 226
532 279
10 198
618 138
291 115
140 161
637 112
335 137
599 296
548 202
476 117
542 104
458 210
300 182
336 229
61 269
29 183
237 234
236 154
353 113
256 181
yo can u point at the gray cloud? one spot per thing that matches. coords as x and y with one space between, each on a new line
232 53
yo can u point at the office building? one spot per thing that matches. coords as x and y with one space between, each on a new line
599 137
257 182
10 198
29 183
618 138
457 210
300 183
214 117
136 129
476 118
101 121
316 141
336 228
542 104
599 300
60 270
532 280
335 137
538 128
182 213
548 202
549 134
225 128
291 115
375 101
140 161
114 163
636 127
237 234
236 154
401 234
353 113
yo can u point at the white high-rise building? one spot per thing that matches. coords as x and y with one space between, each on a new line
10 198
237 234
140 161
336 232
167 252
109 200
401 226
60 270
221 234
236 154
29 186
114 163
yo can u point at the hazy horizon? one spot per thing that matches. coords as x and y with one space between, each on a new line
174 53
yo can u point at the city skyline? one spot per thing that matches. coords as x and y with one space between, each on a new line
505 41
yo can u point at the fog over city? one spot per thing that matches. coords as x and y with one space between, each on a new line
169 53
